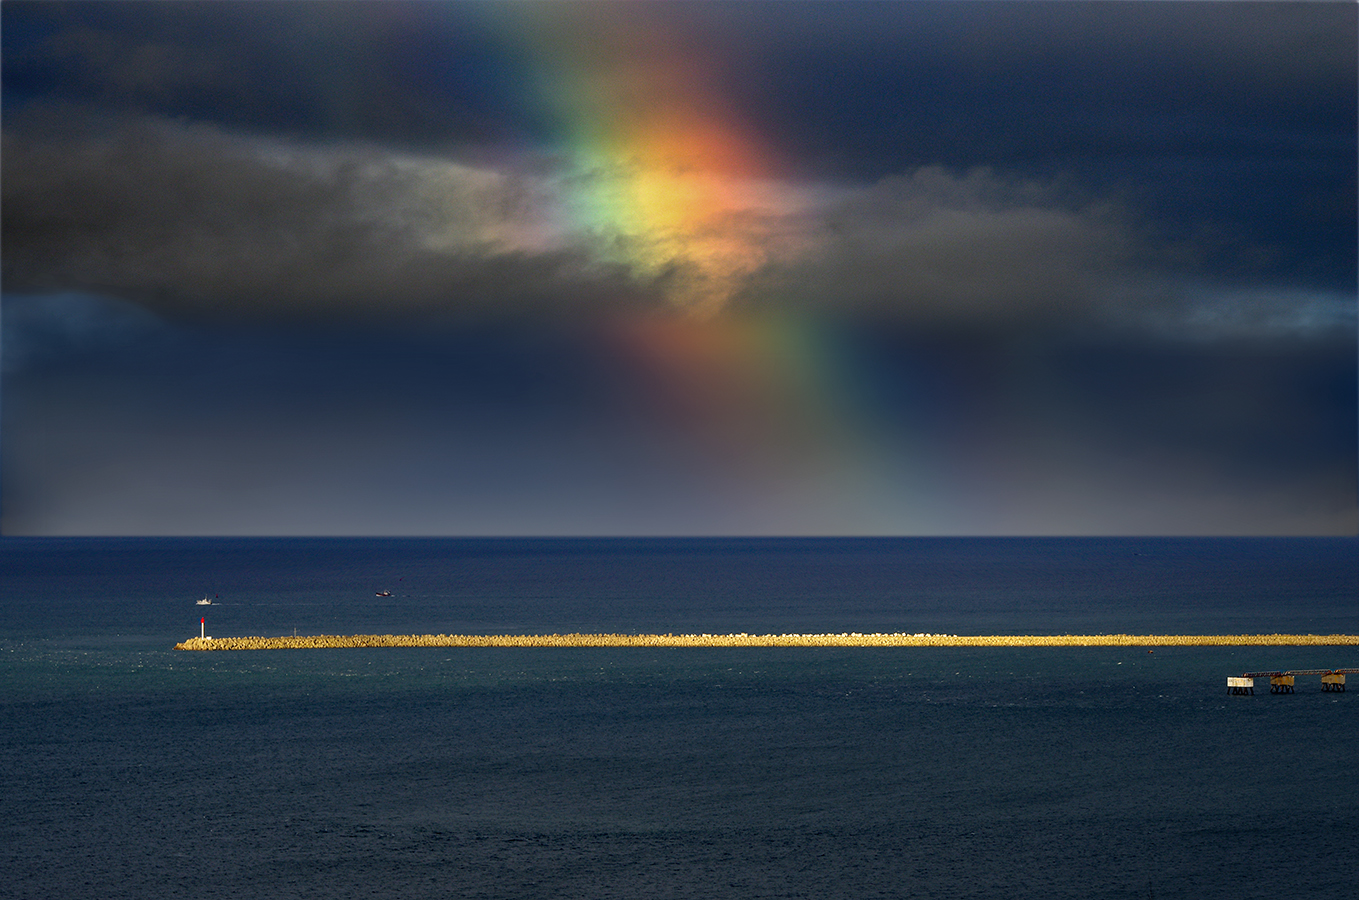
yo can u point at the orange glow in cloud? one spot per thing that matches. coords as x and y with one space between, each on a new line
667 179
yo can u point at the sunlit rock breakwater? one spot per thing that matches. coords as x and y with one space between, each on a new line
847 639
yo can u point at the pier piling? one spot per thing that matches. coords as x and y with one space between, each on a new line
1281 684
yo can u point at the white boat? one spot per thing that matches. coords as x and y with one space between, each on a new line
205 602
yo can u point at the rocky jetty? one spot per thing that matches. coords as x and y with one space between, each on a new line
846 639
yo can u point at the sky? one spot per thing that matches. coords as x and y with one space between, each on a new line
679 268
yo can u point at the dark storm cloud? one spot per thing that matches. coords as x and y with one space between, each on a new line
1040 267
936 246
1049 78
402 72
1225 130
195 221
118 423
1232 123
964 84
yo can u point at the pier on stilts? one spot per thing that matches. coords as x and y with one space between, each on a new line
1332 680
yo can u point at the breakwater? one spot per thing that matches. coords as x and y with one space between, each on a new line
846 639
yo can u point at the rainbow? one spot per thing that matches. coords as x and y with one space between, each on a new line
660 177
669 181
664 176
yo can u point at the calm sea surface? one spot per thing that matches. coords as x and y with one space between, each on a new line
129 770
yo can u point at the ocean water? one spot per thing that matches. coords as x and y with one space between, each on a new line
129 770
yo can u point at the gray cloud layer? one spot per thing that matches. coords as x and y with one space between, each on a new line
943 247
943 161
194 221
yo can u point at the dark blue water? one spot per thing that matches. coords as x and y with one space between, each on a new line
131 770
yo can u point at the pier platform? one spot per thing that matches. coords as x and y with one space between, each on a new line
1332 680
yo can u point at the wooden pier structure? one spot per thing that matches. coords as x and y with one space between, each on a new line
1283 682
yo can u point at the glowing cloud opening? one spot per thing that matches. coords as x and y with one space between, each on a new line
665 178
